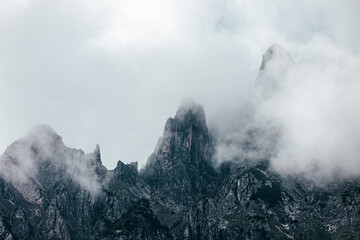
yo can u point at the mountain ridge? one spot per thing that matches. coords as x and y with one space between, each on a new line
51 191
177 195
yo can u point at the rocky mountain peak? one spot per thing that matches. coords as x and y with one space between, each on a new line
97 153
43 135
186 132
192 112
39 143
188 127
40 160
275 53
180 165
276 62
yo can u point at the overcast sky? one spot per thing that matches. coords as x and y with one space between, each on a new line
112 72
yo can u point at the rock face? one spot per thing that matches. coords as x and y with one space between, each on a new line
179 172
50 191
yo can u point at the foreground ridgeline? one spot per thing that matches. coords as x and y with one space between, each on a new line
50 191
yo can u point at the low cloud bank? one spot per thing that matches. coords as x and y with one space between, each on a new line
303 115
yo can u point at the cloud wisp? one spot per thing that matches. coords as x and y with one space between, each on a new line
303 116
111 72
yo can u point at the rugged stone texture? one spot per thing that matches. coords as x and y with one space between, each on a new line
179 172
49 191
139 222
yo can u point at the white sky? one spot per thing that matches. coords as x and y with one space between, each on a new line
112 72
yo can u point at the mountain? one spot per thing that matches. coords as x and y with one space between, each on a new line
50 191
180 171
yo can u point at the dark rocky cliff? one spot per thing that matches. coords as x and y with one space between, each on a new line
179 172
49 191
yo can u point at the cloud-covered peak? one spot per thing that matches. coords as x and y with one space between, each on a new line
97 153
190 110
29 159
43 135
275 53
43 128
275 65
38 144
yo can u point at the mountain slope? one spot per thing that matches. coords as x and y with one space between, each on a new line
178 195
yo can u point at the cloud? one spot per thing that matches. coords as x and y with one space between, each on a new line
112 72
139 25
317 109
303 114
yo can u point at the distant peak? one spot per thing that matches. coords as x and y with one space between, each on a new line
97 153
97 149
189 109
43 128
43 133
40 138
275 52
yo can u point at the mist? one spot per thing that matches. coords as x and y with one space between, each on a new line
42 149
111 73
302 115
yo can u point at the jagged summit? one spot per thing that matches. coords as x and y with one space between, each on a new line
97 153
42 136
276 62
97 148
43 131
190 110
180 164
40 141
39 160
275 53
189 118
